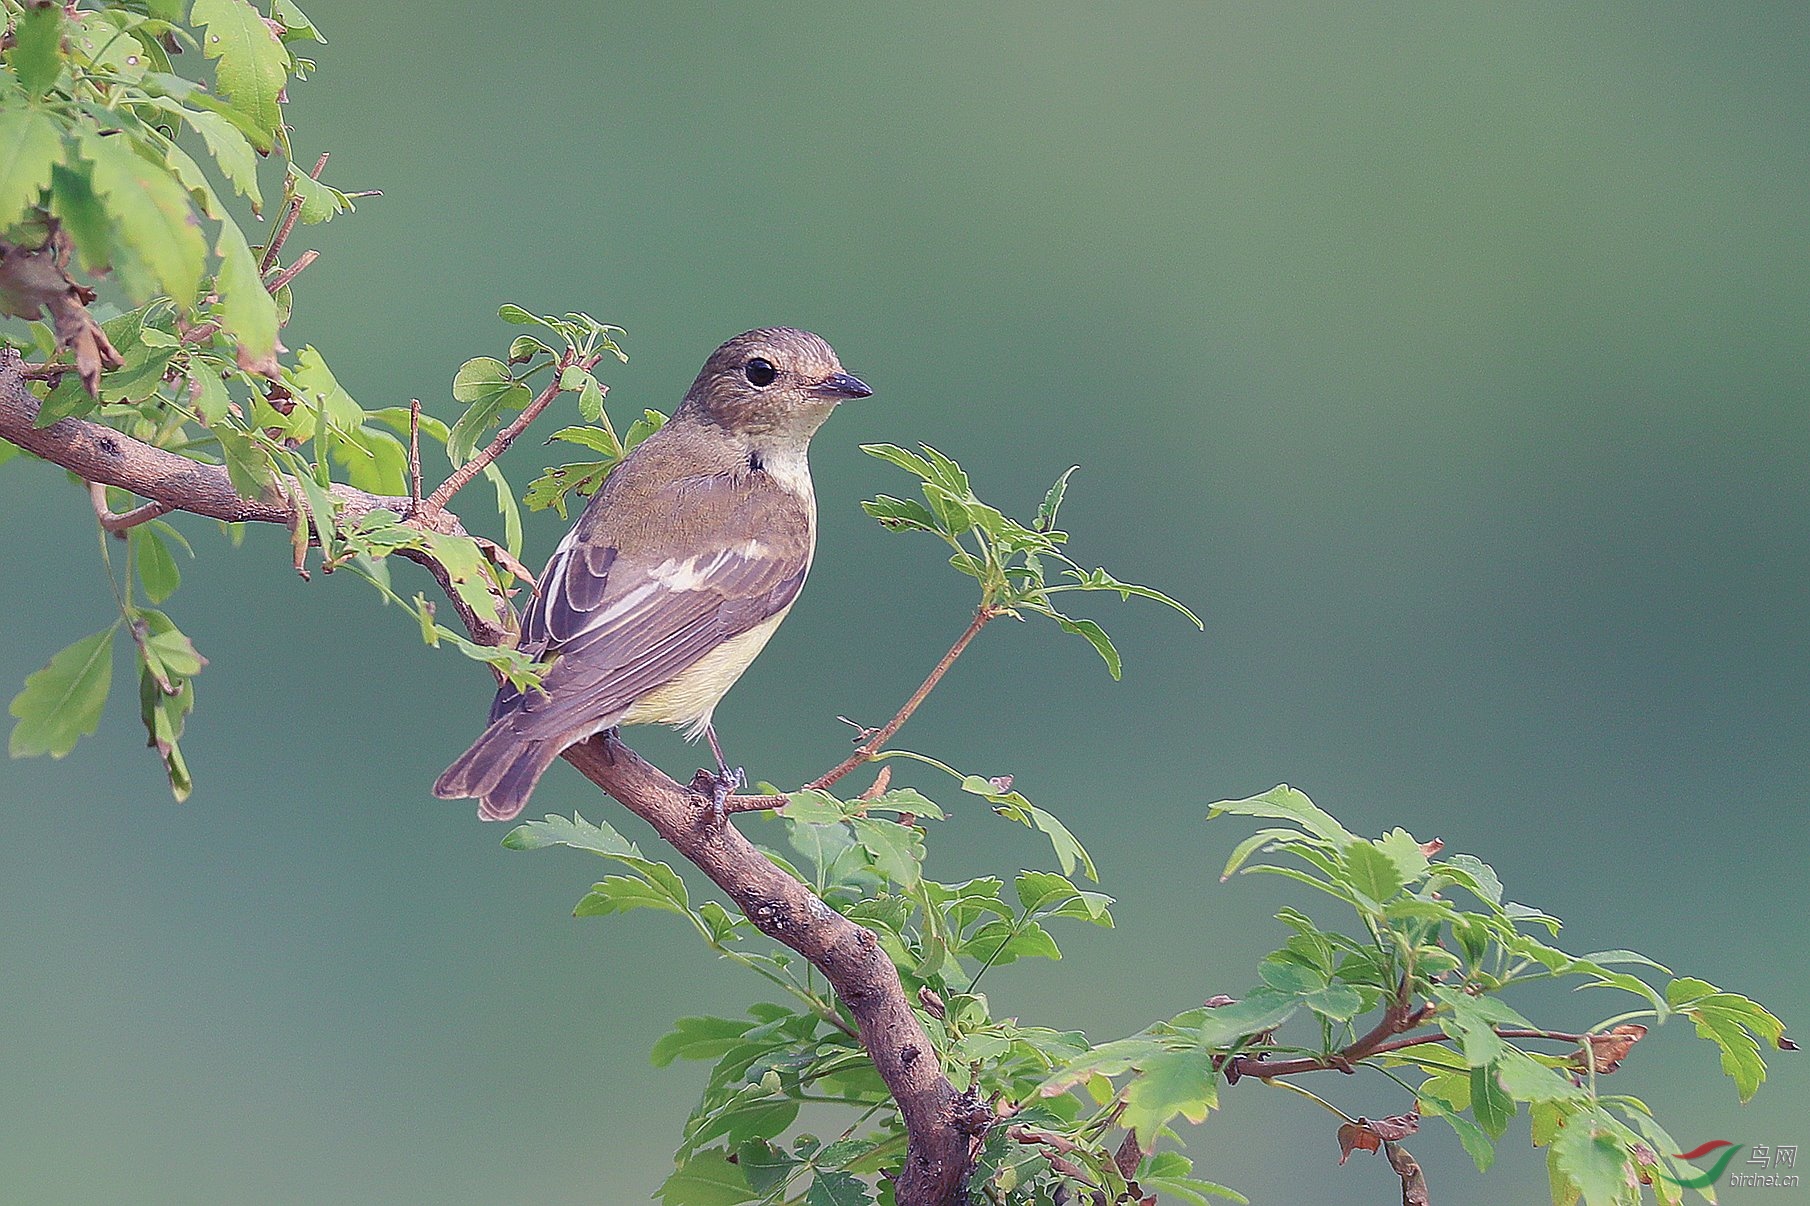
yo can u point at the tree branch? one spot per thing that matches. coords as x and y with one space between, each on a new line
849 956
499 443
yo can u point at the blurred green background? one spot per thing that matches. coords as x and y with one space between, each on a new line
1452 362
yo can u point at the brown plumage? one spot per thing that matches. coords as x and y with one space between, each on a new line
678 571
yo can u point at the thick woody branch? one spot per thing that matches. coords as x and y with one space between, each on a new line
847 954
940 1124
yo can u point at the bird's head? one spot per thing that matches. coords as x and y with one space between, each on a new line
776 381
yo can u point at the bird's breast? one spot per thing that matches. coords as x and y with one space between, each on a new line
690 697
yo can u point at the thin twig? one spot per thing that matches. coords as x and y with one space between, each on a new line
462 476
1366 1047
118 523
289 218
753 803
290 273
883 734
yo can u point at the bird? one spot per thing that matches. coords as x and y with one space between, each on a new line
677 574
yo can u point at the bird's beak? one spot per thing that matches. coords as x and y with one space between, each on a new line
843 385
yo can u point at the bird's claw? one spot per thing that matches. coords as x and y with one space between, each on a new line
718 788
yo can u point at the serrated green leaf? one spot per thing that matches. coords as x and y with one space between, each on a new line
30 146
706 1179
837 1189
1593 1159
37 53
246 307
151 217
699 1038
574 831
63 701
253 64
227 143
1284 803
1171 1083
1371 871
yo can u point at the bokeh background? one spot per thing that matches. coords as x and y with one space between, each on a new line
1452 362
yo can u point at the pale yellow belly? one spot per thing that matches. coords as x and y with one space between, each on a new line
690 698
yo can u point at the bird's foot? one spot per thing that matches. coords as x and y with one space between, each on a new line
717 789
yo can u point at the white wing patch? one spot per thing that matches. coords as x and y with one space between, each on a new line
692 573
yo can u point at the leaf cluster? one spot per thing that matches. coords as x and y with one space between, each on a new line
1011 561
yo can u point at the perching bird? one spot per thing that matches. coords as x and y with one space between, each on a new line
676 574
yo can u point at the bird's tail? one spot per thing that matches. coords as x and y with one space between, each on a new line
500 769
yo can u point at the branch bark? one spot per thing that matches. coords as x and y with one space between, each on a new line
939 1124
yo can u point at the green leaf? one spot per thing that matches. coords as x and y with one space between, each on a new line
229 147
1261 1009
248 464
165 714
1490 1103
1045 891
1371 871
837 1189
1477 875
1052 501
30 146
485 385
1338 1002
1410 862
1732 1022
1096 636
1284 803
814 807
246 307
37 53
911 462
622 894
1479 1146
156 567
320 202
575 832
1527 1079
1168 1172
253 64
151 217
901 515
1171 1083
73 203
706 1179
1000 942
62 702
1069 852
699 1038
897 850
1594 1159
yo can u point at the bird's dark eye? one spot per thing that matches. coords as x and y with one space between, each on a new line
759 372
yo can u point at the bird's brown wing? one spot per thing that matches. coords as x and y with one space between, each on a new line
621 612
